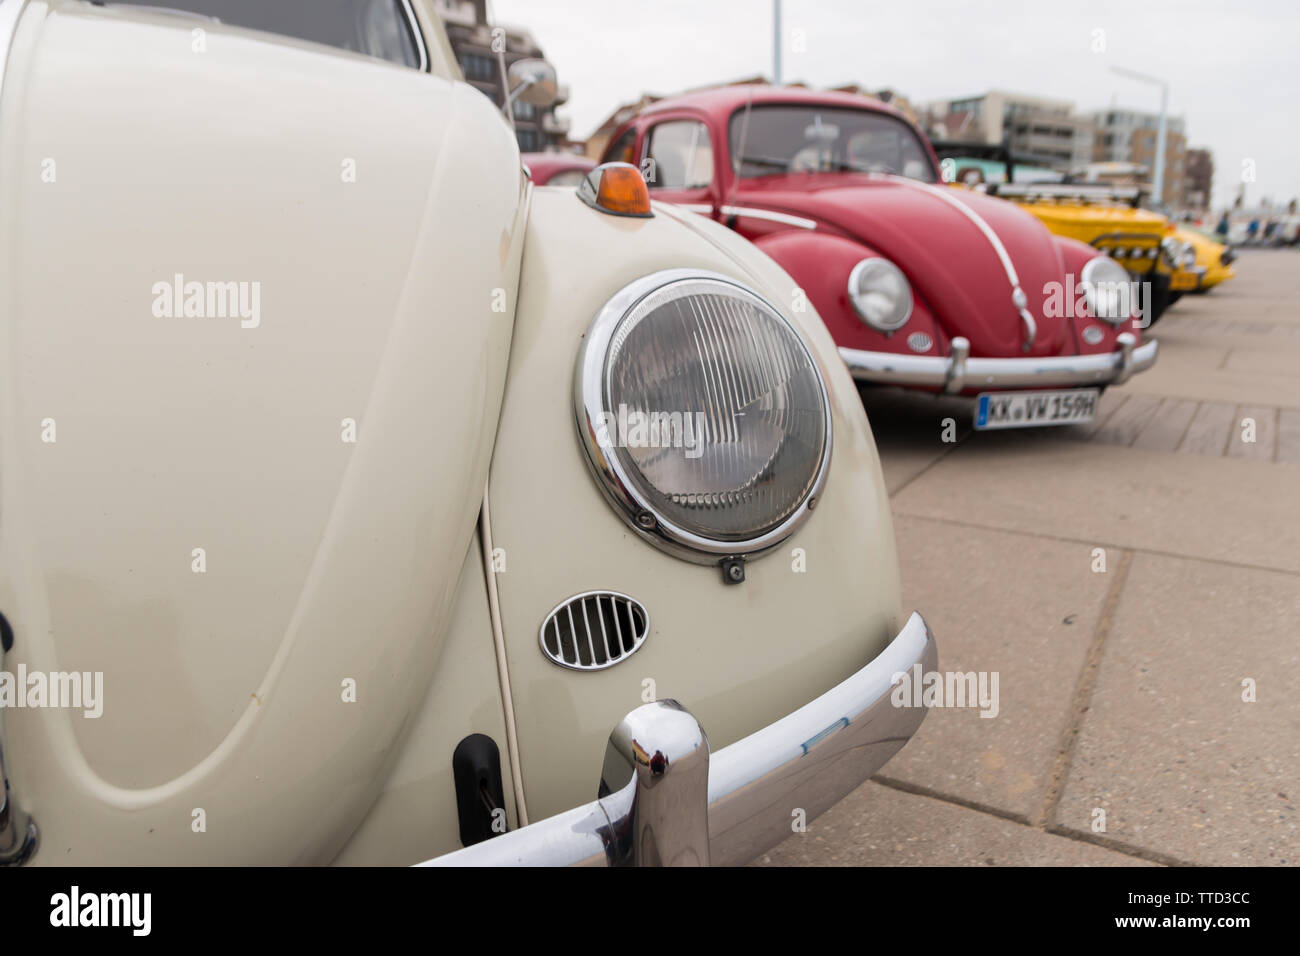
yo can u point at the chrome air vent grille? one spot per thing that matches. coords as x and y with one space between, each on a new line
594 630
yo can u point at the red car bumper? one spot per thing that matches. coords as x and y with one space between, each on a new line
957 372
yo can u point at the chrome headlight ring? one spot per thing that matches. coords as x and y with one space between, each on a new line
892 306
1107 289
734 352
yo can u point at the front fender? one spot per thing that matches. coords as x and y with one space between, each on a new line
1074 256
820 263
738 656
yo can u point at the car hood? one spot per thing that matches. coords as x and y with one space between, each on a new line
247 507
940 238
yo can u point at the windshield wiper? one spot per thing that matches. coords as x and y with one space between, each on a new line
765 161
839 166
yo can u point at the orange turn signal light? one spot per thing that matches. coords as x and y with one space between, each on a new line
617 189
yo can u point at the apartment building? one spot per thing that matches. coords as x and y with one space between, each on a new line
472 39
1047 129
1129 136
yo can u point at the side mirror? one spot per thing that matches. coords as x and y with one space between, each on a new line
532 81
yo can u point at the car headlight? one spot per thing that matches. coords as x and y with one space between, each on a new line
703 415
1107 290
881 294
1181 255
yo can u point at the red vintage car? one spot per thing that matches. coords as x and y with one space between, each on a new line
920 285
556 169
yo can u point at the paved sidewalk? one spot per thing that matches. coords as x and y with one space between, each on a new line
1120 691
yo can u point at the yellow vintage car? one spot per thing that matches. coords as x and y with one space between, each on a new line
1213 257
1104 216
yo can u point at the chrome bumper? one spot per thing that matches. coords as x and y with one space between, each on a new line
670 802
957 372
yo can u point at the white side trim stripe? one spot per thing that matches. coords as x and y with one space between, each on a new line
770 216
941 192
1018 297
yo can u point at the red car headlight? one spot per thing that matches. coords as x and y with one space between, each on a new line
881 294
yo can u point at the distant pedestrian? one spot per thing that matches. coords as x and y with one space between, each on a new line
1222 228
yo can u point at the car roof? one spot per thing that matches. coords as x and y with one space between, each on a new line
721 101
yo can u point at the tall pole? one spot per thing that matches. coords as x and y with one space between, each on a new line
1158 184
1158 174
776 42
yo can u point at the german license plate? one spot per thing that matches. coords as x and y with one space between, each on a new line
1031 409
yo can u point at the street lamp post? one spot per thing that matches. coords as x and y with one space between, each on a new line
776 42
1158 174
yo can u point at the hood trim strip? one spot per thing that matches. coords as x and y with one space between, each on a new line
980 223
1017 293
756 213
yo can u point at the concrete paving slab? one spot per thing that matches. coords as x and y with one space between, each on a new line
1210 430
1019 607
877 825
1244 512
1123 426
1237 333
1203 353
1165 429
1278 359
1168 748
906 462
1232 338
1107 407
1174 378
1288 436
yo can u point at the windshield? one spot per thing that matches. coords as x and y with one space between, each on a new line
378 28
793 139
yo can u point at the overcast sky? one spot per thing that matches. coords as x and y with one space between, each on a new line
1233 69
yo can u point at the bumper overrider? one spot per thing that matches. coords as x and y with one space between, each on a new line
958 372
665 800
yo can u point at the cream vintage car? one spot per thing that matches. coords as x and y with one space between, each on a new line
361 501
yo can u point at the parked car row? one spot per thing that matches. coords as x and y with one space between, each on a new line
1213 259
920 285
412 511
1151 247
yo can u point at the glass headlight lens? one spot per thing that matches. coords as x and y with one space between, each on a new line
703 414
1180 254
1106 289
881 294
